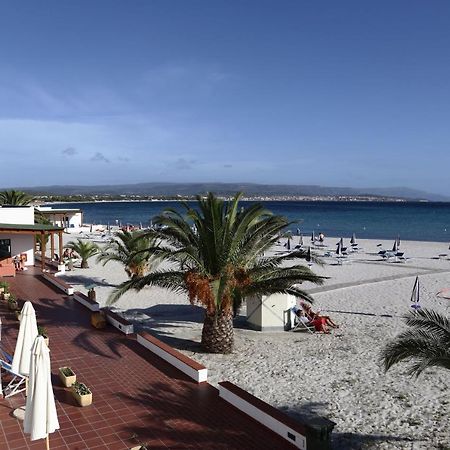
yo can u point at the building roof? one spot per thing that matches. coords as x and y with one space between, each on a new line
58 211
37 227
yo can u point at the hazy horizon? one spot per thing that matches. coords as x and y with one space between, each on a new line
334 94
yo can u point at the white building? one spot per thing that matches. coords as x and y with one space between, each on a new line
63 217
18 237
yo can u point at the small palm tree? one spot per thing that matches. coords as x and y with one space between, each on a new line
425 344
39 218
130 248
85 250
15 198
216 257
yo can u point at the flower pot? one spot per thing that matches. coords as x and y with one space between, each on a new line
98 320
13 305
82 399
92 295
67 381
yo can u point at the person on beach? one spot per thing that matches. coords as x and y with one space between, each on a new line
321 323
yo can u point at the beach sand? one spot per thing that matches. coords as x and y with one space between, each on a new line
337 376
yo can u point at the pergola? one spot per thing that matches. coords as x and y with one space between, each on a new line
40 230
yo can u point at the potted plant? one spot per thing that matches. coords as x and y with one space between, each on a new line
4 287
82 394
140 446
42 331
91 294
98 320
5 293
67 376
12 302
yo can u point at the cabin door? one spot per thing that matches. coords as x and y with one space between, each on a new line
5 248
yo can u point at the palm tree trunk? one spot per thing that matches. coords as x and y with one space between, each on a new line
217 333
84 264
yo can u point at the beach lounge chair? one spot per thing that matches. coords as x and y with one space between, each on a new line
295 324
17 383
5 355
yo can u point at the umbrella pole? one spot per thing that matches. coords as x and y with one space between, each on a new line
47 441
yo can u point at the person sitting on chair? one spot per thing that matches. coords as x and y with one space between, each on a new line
321 323
301 316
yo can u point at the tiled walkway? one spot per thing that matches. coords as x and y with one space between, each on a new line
134 392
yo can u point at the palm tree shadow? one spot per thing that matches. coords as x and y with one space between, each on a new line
181 415
314 414
163 321
85 280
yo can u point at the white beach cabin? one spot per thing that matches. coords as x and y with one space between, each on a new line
268 312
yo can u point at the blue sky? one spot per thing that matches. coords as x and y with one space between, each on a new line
344 93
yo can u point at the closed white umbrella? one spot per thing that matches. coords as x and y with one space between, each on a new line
415 296
27 334
40 412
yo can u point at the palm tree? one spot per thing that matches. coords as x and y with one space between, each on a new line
216 255
15 198
425 344
85 250
130 248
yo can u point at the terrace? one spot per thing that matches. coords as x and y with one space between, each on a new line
137 397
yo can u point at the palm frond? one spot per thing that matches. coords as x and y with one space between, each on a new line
425 344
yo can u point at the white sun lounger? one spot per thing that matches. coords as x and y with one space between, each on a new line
17 383
298 325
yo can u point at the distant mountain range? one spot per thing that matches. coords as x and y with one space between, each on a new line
250 189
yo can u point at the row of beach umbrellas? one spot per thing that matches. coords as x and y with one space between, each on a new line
32 360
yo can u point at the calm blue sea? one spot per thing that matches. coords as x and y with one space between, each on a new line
412 221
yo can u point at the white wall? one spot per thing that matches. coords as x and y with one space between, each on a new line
21 243
17 215
75 216
75 220
267 312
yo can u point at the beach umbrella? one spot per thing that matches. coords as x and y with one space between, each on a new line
288 243
313 237
415 296
27 334
353 239
341 241
300 241
339 249
395 246
308 256
40 410
90 229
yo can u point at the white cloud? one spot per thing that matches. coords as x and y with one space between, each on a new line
69 151
100 157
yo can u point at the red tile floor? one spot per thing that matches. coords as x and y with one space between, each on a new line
137 397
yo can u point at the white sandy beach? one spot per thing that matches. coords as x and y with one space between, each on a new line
337 376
